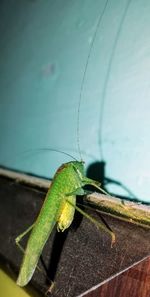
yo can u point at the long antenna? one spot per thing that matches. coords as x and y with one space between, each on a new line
49 149
84 75
102 107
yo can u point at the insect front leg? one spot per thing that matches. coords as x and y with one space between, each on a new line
77 192
94 183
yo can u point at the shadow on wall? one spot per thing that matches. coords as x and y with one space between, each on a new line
97 171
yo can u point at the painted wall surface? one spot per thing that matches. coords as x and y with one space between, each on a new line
44 47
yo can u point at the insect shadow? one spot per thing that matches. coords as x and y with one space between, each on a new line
97 171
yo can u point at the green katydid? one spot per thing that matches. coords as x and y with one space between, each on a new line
59 207
60 202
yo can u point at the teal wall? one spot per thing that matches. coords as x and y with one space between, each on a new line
44 46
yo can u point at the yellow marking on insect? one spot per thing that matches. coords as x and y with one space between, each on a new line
67 214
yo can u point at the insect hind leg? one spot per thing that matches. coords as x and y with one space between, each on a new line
18 239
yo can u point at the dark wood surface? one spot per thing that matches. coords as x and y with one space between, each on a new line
135 282
77 259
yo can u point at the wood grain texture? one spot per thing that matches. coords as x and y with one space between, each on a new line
135 282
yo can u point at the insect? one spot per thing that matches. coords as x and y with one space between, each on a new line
58 208
60 203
